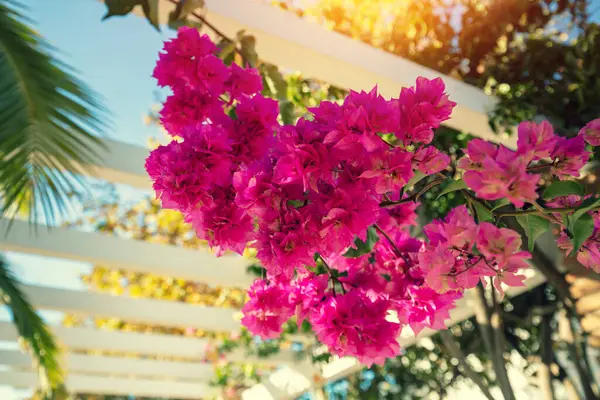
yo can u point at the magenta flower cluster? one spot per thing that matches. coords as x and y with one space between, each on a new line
302 194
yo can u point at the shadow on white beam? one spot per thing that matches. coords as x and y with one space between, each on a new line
131 255
295 43
78 383
119 366
156 312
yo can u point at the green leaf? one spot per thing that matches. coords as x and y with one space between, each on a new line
563 188
586 206
453 186
483 214
500 203
34 333
580 231
287 111
419 176
184 8
227 53
363 248
279 83
51 124
150 8
534 226
120 7
248 50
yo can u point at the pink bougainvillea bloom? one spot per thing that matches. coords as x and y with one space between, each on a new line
211 75
243 81
188 107
347 214
458 229
176 65
589 253
569 156
391 170
286 242
224 226
591 132
478 150
368 113
355 324
422 109
536 141
308 292
254 132
430 160
426 308
399 217
267 309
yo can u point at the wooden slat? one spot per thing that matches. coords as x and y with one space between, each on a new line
152 344
104 385
583 286
157 312
591 322
85 338
128 254
81 363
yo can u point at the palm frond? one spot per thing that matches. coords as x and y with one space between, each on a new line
50 123
33 332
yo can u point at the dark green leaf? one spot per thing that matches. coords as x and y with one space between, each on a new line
563 188
33 331
287 111
586 206
120 7
150 8
363 248
416 179
483 214
184 8
580 231
50 124
278 81
248 50
534 226
453 186
500 203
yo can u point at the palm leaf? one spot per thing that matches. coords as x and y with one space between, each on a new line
50 123
33 332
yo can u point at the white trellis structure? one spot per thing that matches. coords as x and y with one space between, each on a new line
282 39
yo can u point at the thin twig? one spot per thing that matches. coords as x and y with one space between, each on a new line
413 197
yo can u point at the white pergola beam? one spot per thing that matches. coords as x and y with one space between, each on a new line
107 385
119 366
156 312
86 338
131 255
144 344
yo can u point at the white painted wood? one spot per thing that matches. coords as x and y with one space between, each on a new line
286 40
121 366
152 344
157 312
86 338
128 254
77 383
123 163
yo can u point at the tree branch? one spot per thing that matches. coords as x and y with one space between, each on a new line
456 352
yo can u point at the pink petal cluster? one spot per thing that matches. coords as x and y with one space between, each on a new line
303 195
591 132
451 262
